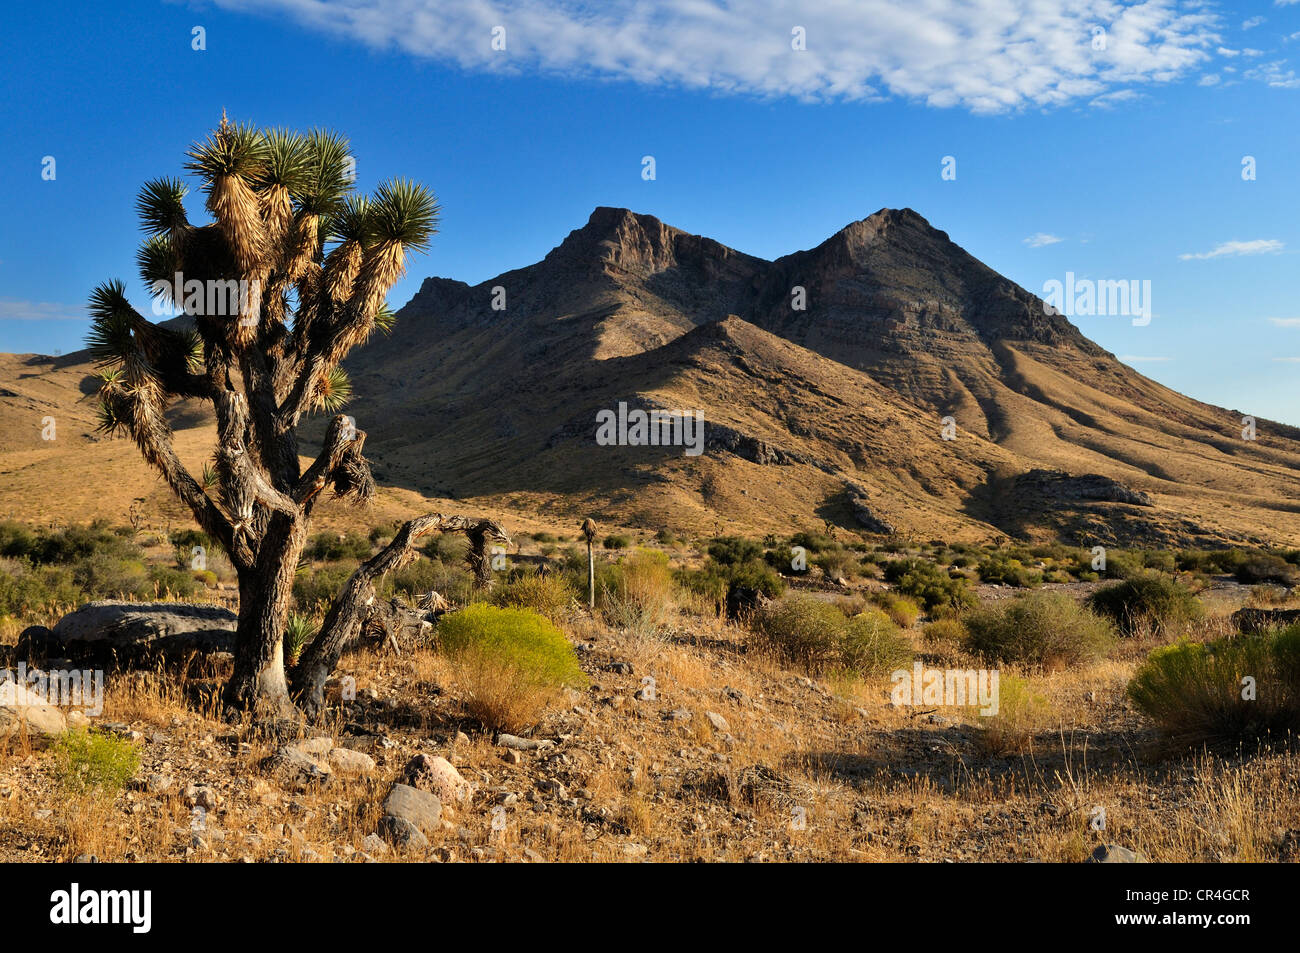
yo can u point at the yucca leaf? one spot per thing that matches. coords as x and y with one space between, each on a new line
234 149
334 391
161 206
110 339
405 212
328 178
286 163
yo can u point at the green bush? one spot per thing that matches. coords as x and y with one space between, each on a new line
732 550
929 585
331 547
617 541
1147 600
510 663
1041 628
1001 569
817 635
873 646
91 762
312 588
637 592
550 594
715 581
901 609
1194 691
837 563
1264 568
177 583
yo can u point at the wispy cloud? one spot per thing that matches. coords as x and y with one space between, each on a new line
982 55
1260 246
1285 322
1252 23
14 309
1276 74
1039 239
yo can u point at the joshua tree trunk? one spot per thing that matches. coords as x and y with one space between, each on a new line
589 530
265 596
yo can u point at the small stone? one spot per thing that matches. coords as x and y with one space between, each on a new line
1115 854
374 844
437 776
349 762
717 721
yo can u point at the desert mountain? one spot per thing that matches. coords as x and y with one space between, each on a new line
490 394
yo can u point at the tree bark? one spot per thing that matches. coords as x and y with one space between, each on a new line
258 683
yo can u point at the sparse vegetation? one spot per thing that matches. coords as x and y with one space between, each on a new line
1046 629
1227 691
94 762
510 663
817 636
1147 600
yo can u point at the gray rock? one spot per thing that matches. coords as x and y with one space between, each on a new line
717 721
25 712
1115 854
296 769
523 744
129 630
347 761
419 808
400 831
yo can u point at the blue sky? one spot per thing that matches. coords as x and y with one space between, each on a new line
1115 163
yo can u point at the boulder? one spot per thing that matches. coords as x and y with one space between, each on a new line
437 776
111 630
409 811
1115 854
1253 621
296 768
22 712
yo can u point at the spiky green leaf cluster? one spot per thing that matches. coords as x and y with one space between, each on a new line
404 211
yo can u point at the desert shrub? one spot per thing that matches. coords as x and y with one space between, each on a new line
1042 628
16 540
813 542
299 630
1123 564
715 581
331 547
638 592
1194 690
817 636
549 594
1147 600
25 588
1002 569
545 537
1268 595
873 646
666 537
448 548
381 535
837 563
901 609
731 550
205 577
92 762
617 541
106 574
1022 713
1265 568
314 587
944 632
175 582
925 582
510 663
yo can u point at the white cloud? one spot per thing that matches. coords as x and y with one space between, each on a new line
1224 51
13 309
1210 79
1285 322
1252 23
1039 239
1108 100
1260 246
981 55
1274 74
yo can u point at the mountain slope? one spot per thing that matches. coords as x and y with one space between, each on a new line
836 410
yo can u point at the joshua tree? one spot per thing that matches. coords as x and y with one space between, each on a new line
589 531
291 274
